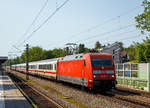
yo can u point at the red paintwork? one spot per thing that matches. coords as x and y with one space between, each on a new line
71 68
76 68
104 75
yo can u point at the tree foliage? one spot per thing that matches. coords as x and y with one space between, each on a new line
98 45
37 53
142 51
143 20
131 51
81 48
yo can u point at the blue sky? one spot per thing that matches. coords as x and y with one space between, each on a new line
67 24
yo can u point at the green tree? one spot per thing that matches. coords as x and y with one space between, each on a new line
35 53
147 51
49 54
143 20
131 51
147 54
81 48
98 45
140 49
58 53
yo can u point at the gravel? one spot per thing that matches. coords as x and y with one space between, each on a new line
73 97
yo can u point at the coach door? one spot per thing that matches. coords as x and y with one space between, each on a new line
83 74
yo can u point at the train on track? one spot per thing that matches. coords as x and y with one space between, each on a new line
92 70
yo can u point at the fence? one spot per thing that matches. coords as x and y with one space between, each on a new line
134 75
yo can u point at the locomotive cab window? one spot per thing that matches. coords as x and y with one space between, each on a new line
102 62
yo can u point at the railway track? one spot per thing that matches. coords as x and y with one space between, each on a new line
125 97
131 98
118 97
40 99
133 91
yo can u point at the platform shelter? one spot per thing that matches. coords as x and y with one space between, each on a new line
3 59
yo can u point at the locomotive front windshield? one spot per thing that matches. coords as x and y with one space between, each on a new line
102 62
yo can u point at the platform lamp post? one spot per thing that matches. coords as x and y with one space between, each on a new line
27 62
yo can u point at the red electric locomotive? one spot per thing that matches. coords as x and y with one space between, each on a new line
92 70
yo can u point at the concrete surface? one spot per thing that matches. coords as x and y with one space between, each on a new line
10 96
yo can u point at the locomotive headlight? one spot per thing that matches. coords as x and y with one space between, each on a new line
110 72
112 76
95 76
97 71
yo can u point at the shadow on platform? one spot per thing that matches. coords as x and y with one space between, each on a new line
13 103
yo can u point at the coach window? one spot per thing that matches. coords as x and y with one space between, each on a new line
55 66
32 66
48 66
51 67
40 66
44 66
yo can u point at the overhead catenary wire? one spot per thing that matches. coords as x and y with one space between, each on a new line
106 33
109 36
98 25
103 23
44 22
35 19
122 39
106 36
92 28
37 16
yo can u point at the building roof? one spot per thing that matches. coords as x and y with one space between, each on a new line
3 59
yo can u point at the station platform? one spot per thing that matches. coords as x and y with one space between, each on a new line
10 96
